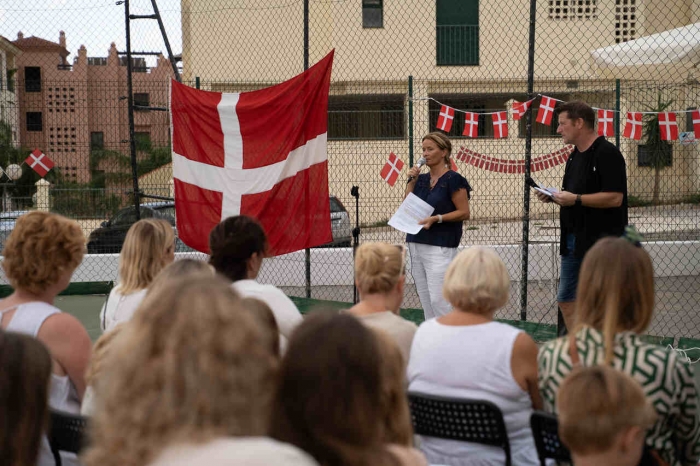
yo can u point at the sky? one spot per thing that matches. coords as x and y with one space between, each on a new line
93 23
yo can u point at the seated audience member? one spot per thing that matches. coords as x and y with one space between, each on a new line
380 279
149 246
180 269
614 305
603 417
24 392
102 347
237 246
333 400
40 256
466 354
189 381
262 312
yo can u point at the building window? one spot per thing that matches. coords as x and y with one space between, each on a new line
141 99
34 121
143 141
625 20
538 129
573 9
370 116
32 79
457 32
372 13
481 104
97 140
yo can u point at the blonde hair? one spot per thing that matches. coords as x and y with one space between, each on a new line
190 366
144 253
100 350
442 141
378 267
615 290
597 403
40 248
477 280
179 269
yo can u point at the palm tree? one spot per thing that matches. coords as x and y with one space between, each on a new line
658 152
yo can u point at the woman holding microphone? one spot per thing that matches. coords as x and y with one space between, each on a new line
433 248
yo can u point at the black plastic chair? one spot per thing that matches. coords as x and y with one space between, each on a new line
66 433
477 421
545 429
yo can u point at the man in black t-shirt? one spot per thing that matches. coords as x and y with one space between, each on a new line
593 199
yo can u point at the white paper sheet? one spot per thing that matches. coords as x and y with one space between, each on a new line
547 191
412 210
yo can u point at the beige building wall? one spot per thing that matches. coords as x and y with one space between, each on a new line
9 111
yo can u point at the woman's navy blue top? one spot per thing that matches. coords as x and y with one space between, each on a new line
446 234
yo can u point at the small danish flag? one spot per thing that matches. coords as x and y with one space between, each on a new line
392 168
695 115
471 124
500 124
39 162
453 165
633 127
668 126
447 114
544 114
605 123
519 108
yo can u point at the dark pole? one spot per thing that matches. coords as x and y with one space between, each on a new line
355 192
130 103
167 42
307 255
528 157
410 121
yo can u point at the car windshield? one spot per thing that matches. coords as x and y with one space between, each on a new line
336 206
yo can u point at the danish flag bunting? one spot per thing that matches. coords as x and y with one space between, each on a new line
519 108
447 114
39 162
668 126
633 127
260 153
471 124
500 124
544 114
392 168
695 115
605 123
453 165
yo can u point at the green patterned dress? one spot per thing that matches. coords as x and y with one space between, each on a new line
666 380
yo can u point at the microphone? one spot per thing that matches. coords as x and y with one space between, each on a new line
419 163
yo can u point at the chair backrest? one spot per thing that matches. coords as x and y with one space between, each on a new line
66 433
545 429
477 421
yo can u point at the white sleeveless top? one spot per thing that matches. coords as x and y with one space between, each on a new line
63 396
472 362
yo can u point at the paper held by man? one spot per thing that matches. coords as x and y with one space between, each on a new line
411 211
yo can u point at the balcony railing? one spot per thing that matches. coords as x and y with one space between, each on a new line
457 45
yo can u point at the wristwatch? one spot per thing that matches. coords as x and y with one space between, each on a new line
578 200
439 218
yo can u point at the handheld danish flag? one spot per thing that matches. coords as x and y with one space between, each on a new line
668 126
546 110
695 115
39 162
392 168
519 108
471 124
605 123
633 127
261 153
500 124
447 114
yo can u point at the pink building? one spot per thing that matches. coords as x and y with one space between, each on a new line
66 110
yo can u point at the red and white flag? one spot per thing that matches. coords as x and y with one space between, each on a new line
546 110
471 124
447 114
453 165
392 169
668 126
519 108
261 153
605 123
39 162
633 127
500 124
695 115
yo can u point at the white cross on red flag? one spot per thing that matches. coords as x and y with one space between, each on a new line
546 110
519 108
260 153
633 127
500 124
668 126
471 125
695 115
392 168
447 114
605 123
39 162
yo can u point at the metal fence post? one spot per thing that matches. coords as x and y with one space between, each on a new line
410 121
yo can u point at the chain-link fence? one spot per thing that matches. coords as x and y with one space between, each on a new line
396 65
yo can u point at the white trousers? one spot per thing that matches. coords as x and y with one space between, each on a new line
428 266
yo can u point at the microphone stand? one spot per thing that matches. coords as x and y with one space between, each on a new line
355 192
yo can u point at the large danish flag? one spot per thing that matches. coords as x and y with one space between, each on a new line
633 127
546 110
695 115
260 153
605 122
668 126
